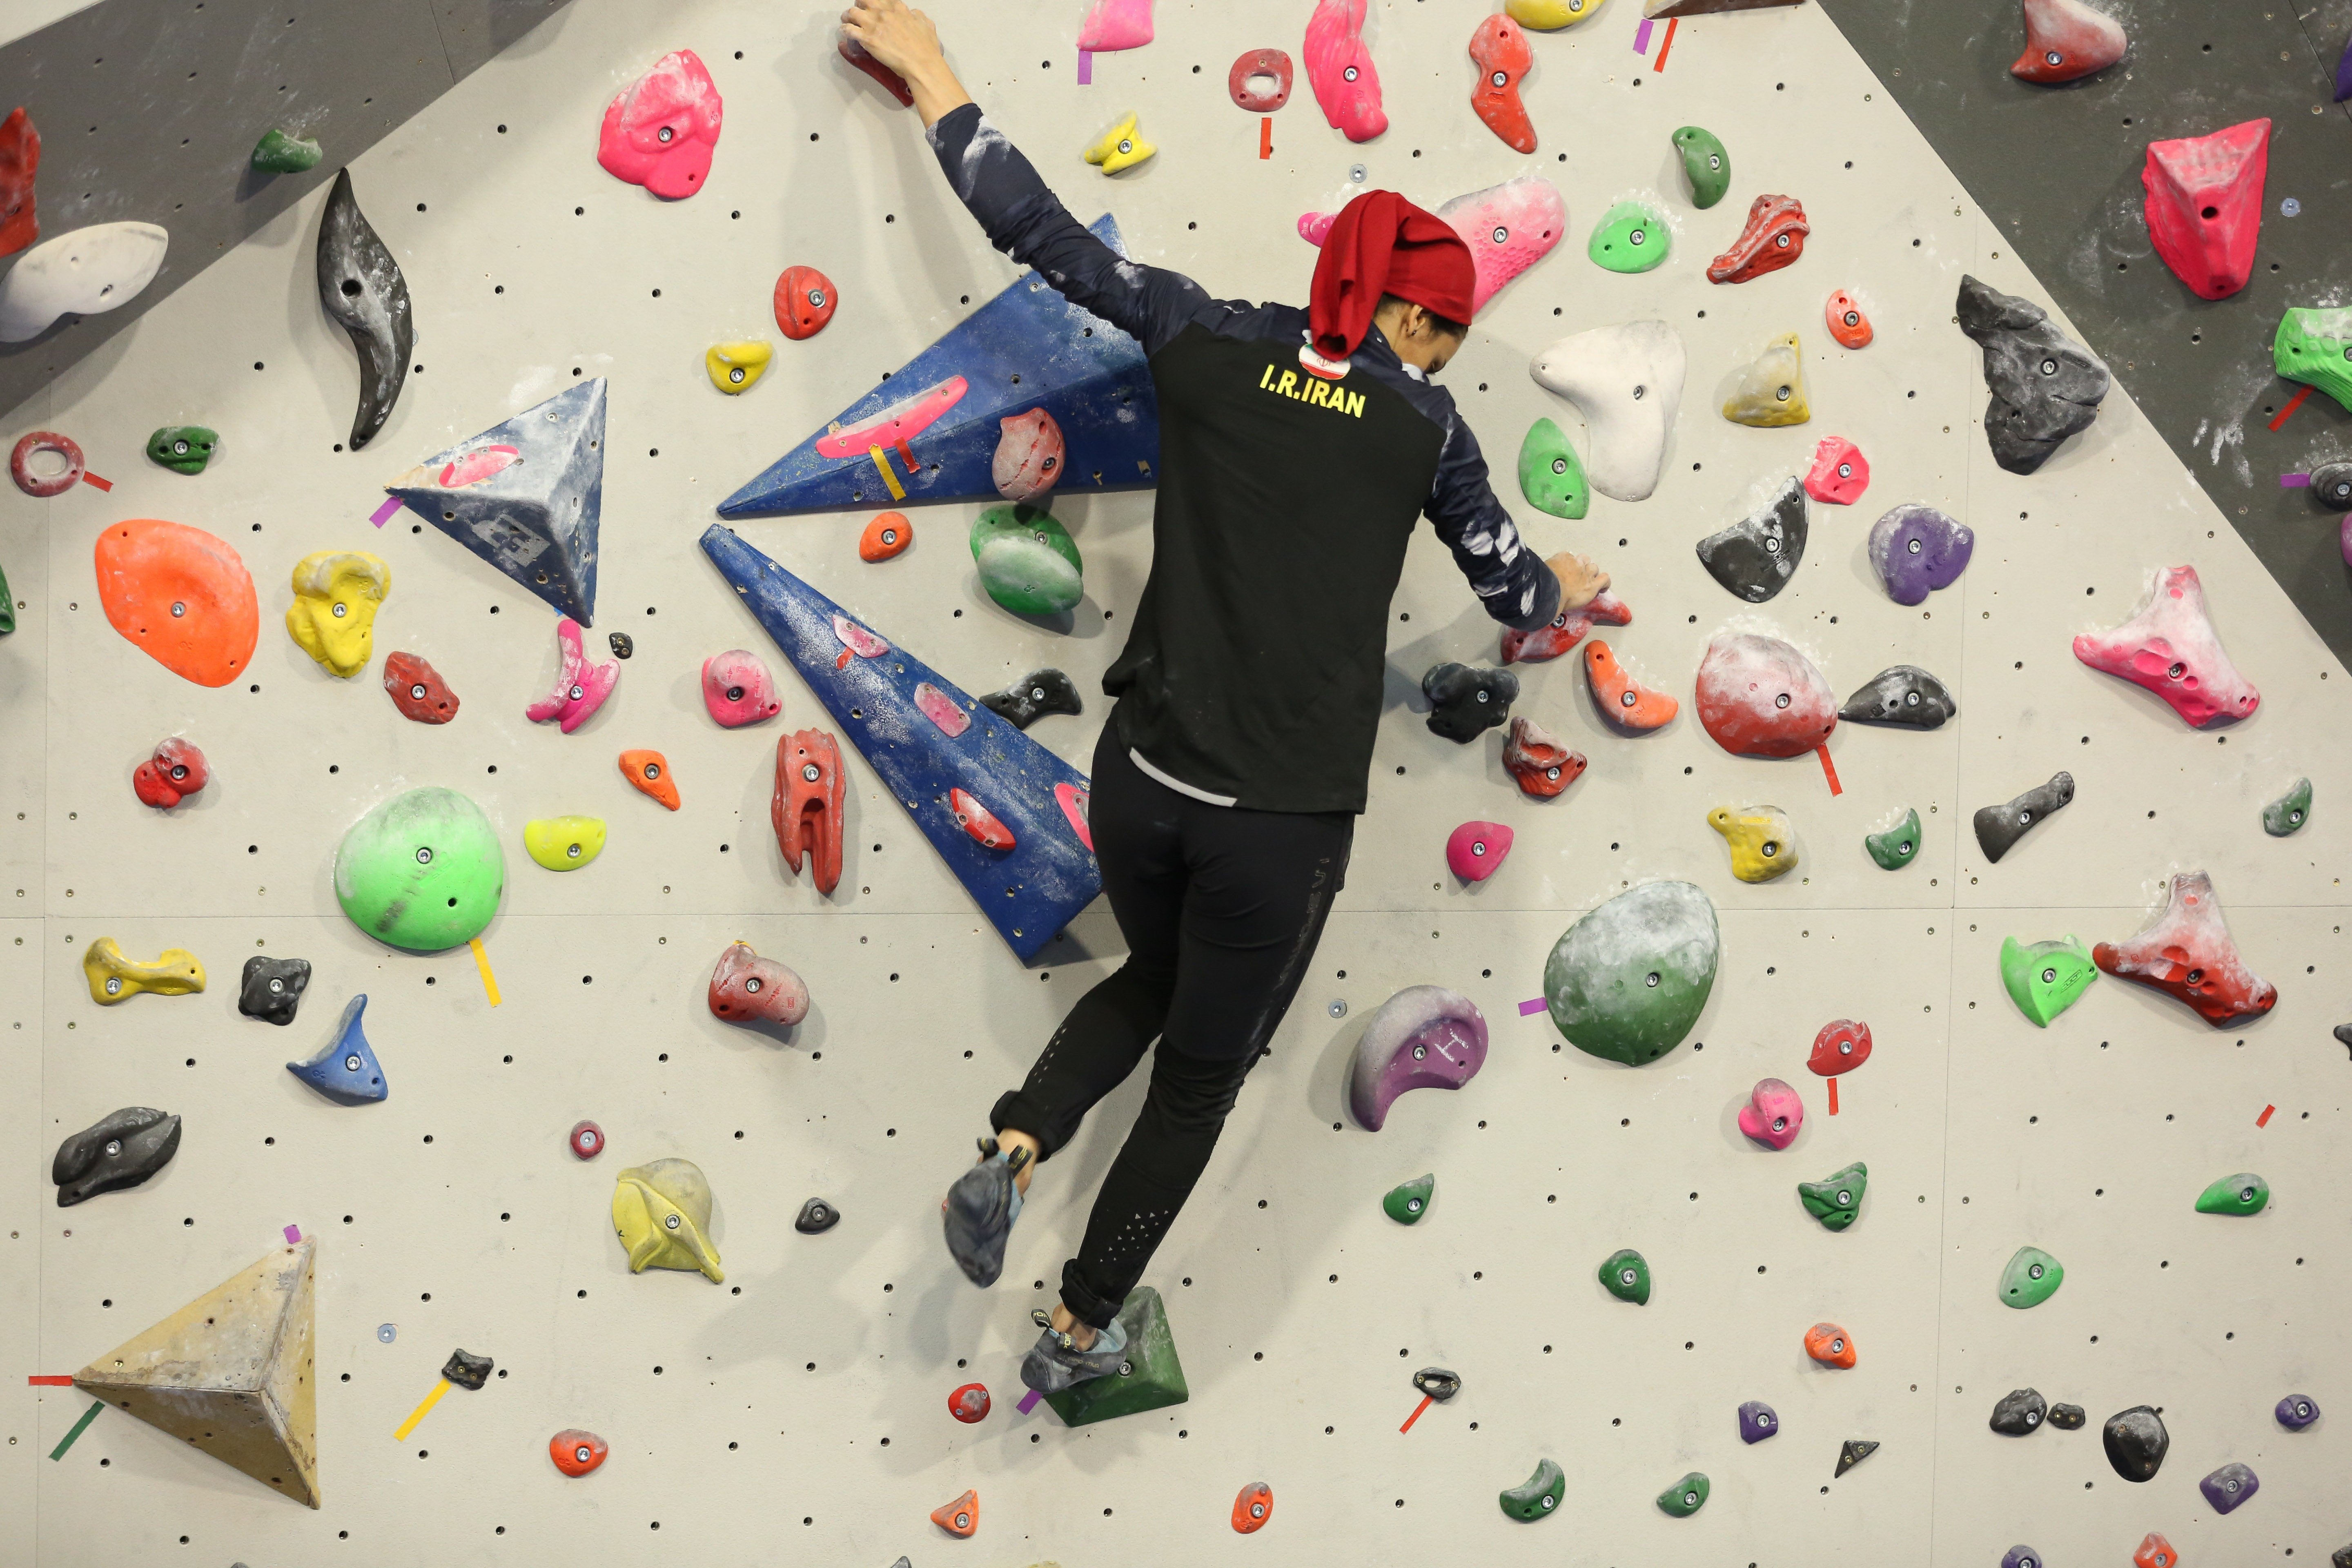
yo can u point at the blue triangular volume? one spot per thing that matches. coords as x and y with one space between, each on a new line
526 496
1027 347
1028 892
347 1069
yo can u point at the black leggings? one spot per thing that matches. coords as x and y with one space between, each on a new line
1221 908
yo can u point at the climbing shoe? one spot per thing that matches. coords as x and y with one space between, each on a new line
980 1211
1054 1363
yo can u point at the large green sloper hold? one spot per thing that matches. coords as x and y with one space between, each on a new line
1549 476
1705 163
1628 980
2315 346
2032 1277
422 871
1630 237
1027 561
2046 978
1836 1199
2241 1194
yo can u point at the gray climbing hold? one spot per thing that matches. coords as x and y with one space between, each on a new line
467 1370
1755 557
2067 1417
2019 1412
2044 387
113 1153
2331 486
272 988
623 645
1035 695
1465 703
2289 811
362 288
1437 1383
1901 694
816 1217
1855 1451
2135 1442
1999 827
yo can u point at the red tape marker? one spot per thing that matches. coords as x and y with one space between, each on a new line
58 1382
1265 137
1417 1409
1833 1097
1672 23
907 457
2264 1119
94 482
1828 769
2292 404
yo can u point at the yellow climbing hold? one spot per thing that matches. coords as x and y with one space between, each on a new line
733 367
1121 147
1772 390
332 617
661 1211
113 977
564 843
1763 841
1549 15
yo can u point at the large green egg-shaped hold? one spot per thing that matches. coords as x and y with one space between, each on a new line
1629 979
1027 561
422 871
1549 476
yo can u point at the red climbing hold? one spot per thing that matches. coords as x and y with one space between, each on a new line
1830 1346
1843 1046
2155 1551
418 690
1253 1508
2205 205
855 52
576 1452
2171 648
586 1140
2065 39
888 534
959 1518
1077 804
978 821
1539 764
969 1404
805 299
1623 701
1840 472
807 805
2186 952
746 988
20 160
32 481
1758 697
175 772
1847 322
1775 236
1029 456
1500 48
1271 64
660 131
1566 630
180 596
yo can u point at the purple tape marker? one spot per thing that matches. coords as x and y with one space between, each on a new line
2294 481
1086 67
1029 1402
1642 37
1529 1009
383 514
293 1234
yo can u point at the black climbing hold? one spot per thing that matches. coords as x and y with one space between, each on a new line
467 1370
816 1217
2341 1557
1755 557
2044 385
1465 703
1999 827
1855 1451
2331 486
2019 1412
272 988
2135 1441
2343 1033
362 288
622 647
118 1151
1437 1383
1035 695
2067 1417
1901 694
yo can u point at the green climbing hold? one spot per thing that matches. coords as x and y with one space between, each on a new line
2032 1277
1836 1199
2315 346
1630 237
1539 1495
1407 1203
1685 1496
2046 978
1707 164
1549 476
2285 814
1898 845
1149 1378
1625 1274
183 448
8 606
278 153
1027 561
1630 978
422 871
2241 1194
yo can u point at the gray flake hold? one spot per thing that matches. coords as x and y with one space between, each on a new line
1902 694
1465 703
1035 695
2045 386
1755 557
2019 1414
362 288
816 1217
2331 486
1999 827
2067 1417
272 988
1855 1450
116 1152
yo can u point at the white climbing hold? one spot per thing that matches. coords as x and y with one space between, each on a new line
1627 381
83 273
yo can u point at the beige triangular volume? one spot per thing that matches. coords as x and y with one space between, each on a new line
230 1373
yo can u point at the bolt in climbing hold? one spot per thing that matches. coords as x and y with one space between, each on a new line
746 988
1904 695
1030 457
2135 1442
1425 1037
586 1140
1625 1274
1035 695
1027 561
816 1217
1253 1507
737 690
1538 1495
1272 63
1566 630
660 131
1999 827
1773 1114
805 301
1836 1200
332 617
2241 1194
1769 390
2331 485
1474 850
887 535
2294 1412
2018 1412
1757 1421
2289 811
271 988
2045 978
1847 323
580 686
1762 839
1755 557
2155 1551
662 1214
1773 237
1853 1451
564 843
345 1068
1758 697
734 368
2185 952
2032 1277
1538 763
959 1518
2065 39
648 772
1549 16
1550 475
2170 647
2044 387
1626 704
1705 164
1895 848
1841 1046
969 1404
1832 1346
114 978
576 1452
176 770
1465 703
1630 978
1840 472
1121 147
1406 1204
418 690
124 1149
1504 58
1685 1496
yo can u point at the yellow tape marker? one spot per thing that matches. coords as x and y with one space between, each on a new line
490 981
882 467
419 1414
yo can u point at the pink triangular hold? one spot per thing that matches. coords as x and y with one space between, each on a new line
1115 24
2186 952
2171 648
2065 39
2205 204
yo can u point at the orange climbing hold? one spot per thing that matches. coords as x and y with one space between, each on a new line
180 596
807 809
1623 701
959 1518
648 773
1848 325
888 534
576 1452
1253 1508
1830 1346
1500 48
2155 1551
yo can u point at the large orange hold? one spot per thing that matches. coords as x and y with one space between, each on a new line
648 771
959 1518
1624 701
180 596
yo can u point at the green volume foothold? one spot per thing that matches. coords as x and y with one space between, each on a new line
2046 978
1539 1496
1898 845
1685 1496
2282 816
1027 561
1150 1378
1406 1204
1630 237
8 606
1549 476
1836 1199
183 448
1625 1274
1707 164
2032 1277
1630 978
2315 346
422 871
278 153
2241 1194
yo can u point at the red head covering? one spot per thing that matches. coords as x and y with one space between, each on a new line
1382 244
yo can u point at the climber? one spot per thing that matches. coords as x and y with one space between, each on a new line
1296 448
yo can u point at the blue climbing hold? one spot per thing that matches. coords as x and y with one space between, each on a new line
346 1070
1007 816
941 416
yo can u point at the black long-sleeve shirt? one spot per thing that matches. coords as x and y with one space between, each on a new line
1288 488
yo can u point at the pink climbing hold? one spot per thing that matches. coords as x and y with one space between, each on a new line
942 710
2170 647
737 688
1314 227
857 639
2205 205
1339 69
1075 804
660 131
1758 697
1030 455
1115 24
855 52
478 465
580 687
1566 630
978 821
2186 952
2065 39
1508 228
1773 1114
1474 850
1840 472
1270 66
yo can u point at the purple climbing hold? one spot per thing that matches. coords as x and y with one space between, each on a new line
2228 1487
1757 1422
1916 549
2021 1557
2297 1411
2344 73
1425 1037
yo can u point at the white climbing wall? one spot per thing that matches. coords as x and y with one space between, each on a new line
797 1411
